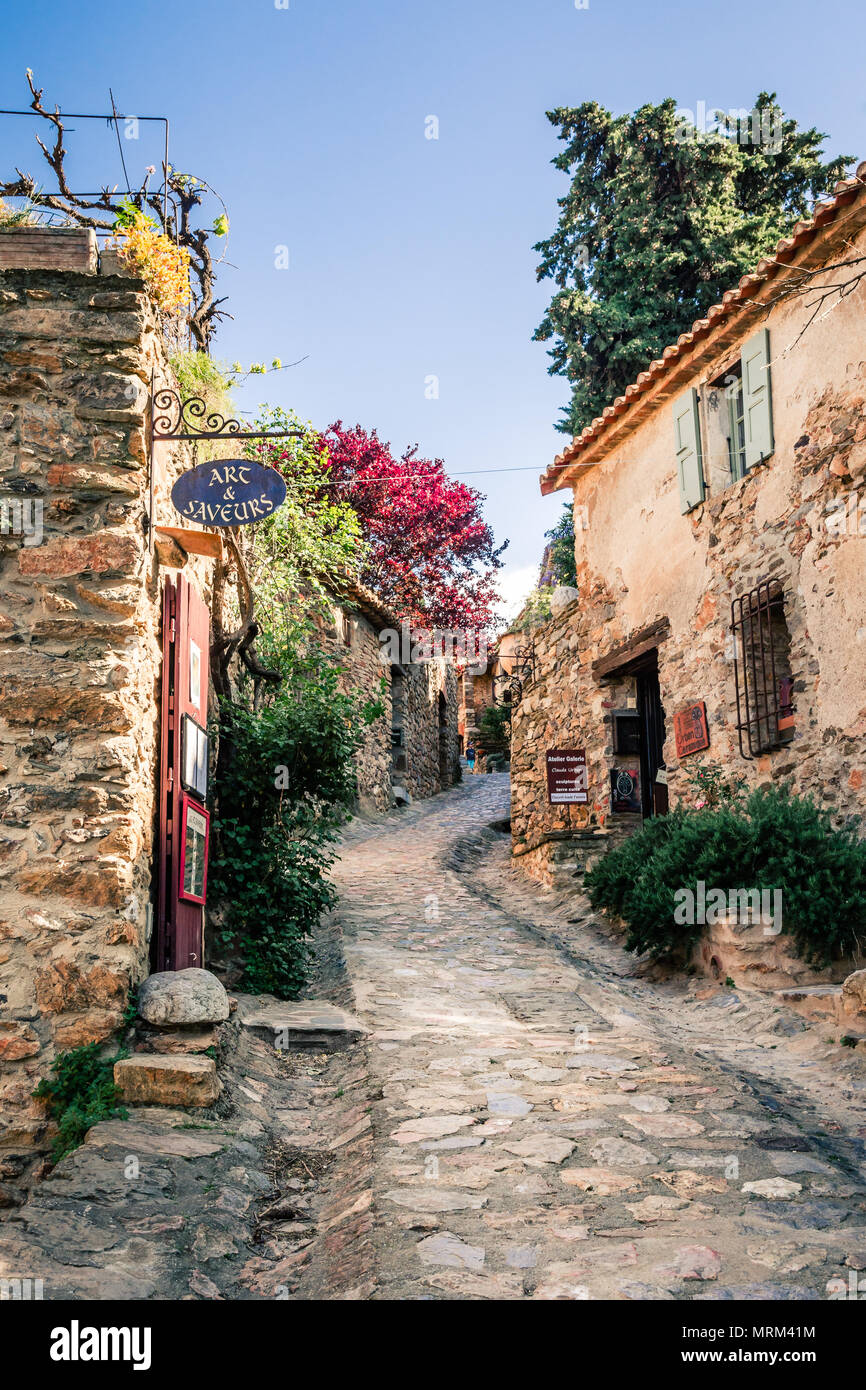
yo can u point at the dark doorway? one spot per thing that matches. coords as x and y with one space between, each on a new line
444 750
654 794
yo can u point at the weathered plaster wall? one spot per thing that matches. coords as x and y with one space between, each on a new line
640 560
79 671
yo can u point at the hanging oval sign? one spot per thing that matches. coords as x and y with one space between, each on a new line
229 492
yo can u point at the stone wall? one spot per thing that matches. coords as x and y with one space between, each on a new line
641 562
431 739
79 667
354 639
413 746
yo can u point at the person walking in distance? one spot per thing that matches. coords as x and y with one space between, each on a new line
470 757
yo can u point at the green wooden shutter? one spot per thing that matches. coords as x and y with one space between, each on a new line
687 435
757 398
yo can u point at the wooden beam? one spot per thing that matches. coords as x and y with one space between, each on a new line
193 542
635 646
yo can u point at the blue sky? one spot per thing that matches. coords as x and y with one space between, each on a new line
409 257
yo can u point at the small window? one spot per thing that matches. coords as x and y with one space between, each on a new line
736 423
345 628
762 669
626 732
726 427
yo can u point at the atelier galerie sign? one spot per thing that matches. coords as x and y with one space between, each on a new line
228 492
690 729
567 783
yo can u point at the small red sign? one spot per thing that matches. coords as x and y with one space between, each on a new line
690 729
194 838
567 777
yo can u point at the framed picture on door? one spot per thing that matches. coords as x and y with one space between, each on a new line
194 836
194 752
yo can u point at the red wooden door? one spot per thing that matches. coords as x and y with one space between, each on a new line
182 821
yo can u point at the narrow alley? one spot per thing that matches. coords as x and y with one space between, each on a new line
547 1123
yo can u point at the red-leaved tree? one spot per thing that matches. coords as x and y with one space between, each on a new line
431 555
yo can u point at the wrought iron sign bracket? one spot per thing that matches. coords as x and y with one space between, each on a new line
174 419
510 684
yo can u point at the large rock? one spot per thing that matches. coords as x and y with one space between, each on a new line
173 997
854 993
563 596
181 1081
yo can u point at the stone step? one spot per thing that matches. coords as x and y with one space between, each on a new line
813 1001
301 1026
167 1080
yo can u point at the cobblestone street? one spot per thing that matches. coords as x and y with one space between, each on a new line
550 1123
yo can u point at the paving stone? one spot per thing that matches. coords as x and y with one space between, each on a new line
665 1126
654 1208
312 1024
428 1199
601 1181
649 1105
692 1262
600 1062
773 1187
623 1152
448 1249
429 1127
686 1183
789 1163
506 1103
541 1148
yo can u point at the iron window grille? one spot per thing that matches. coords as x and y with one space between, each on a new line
762 675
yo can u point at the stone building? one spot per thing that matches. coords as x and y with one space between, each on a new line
493 682
81 588
720 523
411 751
101 592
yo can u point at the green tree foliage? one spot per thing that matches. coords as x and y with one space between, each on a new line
560 551
286 787
289 729
655 227
770 840
312 538
494 728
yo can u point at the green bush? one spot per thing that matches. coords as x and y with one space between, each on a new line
80 1092
770 840
494 728
285 786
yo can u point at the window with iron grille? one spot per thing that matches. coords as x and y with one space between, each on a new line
762 669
